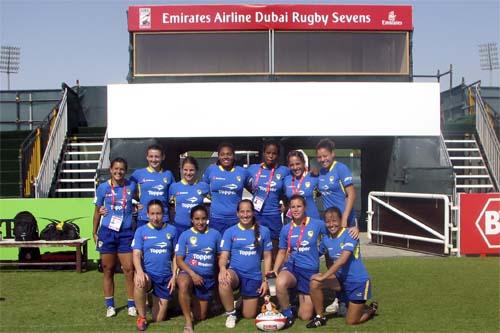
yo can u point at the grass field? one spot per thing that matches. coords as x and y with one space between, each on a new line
415 295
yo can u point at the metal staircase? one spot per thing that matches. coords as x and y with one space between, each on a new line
81 155
471 172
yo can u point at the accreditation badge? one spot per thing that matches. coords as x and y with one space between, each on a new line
116 222
258 203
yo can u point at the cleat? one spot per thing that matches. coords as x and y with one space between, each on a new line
110 312
231 321
334 307
374 307
316 322
141 323
132 311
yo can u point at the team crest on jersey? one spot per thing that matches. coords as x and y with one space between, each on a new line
332 178
308 184
310 233
198 191
193 240
238 178
278 176
168 235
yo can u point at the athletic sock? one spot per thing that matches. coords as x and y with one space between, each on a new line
228 313
130 303
109 302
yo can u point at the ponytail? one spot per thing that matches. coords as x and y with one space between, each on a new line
256 233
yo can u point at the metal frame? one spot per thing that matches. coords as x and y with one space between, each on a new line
440 238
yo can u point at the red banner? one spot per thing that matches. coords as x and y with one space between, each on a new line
480 223
265 17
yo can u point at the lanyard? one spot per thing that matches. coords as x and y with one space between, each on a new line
257 177
124 197
296 189
301 234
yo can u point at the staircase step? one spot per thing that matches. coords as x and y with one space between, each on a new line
62 190
79 171
83 152
462 149
474 185
460 141
80 180
475 167
84 144
81 162
472 176
466 158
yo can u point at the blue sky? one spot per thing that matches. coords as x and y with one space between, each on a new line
65 40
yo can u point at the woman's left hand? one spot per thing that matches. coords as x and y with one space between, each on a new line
171 285
354 232
263 288
318 277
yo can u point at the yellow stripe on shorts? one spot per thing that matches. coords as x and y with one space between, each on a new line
367 287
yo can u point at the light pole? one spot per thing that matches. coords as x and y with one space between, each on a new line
9 61
488 58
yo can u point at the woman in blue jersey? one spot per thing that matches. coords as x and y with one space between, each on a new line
186 194
335 184
152 183
113 232
266 185
301 182
226 183
299 256
242 248
196 258
347 273
154 268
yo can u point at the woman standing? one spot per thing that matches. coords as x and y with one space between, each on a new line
153 183
266 185
300 182
196 253
242 248
154 268
187 194
113 233
226 183
299 256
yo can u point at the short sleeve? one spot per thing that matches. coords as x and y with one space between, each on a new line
206 175
217 240
203 187
266 240
283 241
138 241
345 175
100 195
349 243
180 247
134 178
226 242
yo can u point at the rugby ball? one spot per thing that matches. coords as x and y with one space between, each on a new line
270 321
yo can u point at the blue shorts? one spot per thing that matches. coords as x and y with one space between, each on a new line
248 287
159 286
302 275
206 291
356 291
110 241
222 224
181 228
273 222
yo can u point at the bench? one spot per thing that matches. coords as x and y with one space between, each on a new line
79 244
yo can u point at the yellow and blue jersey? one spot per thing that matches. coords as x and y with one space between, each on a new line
118 201
332 184
354 270
199 250
245 258
266 188
305 188
304 252
157 246
226 189
152 185
185 197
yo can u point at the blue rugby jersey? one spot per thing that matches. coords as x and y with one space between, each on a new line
226 190
186 196
152 185
304 251
332 184
353 270
305 187
199 250
106 195
244 257
259 178
157 246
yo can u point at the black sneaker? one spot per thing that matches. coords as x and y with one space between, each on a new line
374 308
316 322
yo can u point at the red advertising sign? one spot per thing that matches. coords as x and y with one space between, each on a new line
480 223
266 17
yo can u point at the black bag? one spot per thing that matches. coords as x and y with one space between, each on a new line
29 254
60 230
25 227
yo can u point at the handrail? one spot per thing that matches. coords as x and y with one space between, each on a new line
52 153
487 137
104 158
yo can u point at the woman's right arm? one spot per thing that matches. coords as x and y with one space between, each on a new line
96 220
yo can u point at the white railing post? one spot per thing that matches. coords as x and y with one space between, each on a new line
52 153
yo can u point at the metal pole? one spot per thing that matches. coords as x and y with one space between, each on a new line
451 76
31 113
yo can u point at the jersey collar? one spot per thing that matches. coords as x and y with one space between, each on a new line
222 169
197 232
184 182
153 227
308 219
341 231
243 228
332 166
151 170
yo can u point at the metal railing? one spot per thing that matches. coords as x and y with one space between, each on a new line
43 181
103 159
487 137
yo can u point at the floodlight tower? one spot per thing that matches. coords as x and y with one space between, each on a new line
9 61
488 58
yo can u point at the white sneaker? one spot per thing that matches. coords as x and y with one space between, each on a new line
334 307
231 321
110 312
132 311
342 310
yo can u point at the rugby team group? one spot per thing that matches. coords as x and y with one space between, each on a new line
269 243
